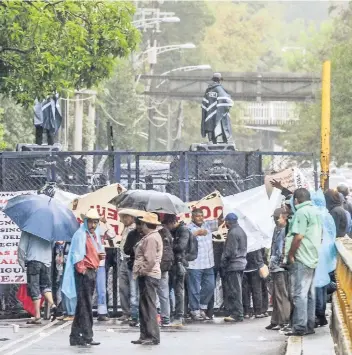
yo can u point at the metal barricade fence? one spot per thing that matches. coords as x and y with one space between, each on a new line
188 174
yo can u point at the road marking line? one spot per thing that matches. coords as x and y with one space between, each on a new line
38 331
38 339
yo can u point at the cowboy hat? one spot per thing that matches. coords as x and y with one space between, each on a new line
150 218
91 214
131 212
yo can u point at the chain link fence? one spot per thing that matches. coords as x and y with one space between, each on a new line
189 175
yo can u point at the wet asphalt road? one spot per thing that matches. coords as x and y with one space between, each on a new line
215 337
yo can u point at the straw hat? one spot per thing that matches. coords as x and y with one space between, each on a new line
150 218
91 214
132 212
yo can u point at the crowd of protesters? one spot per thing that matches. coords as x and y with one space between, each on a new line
168 271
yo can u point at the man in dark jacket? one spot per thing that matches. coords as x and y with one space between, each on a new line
233 262
345 191
346 204
218 247
180 234
334 206
252 284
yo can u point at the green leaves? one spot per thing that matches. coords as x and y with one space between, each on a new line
48 46
332 41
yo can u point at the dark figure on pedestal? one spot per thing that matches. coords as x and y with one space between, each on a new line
216 105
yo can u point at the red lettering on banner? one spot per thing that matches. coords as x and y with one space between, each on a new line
19 279
206 211
217 211
8 262
101 210
116 227
112 214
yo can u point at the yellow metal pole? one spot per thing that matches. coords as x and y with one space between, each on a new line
325 126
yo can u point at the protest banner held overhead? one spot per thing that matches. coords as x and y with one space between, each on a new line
291 179
99 200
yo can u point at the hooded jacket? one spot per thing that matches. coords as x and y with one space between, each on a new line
235 249
216 105
327 251
334 206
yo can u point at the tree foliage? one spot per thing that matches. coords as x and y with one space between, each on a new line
2 142
48 45
17 122
333 42
240 35
119 103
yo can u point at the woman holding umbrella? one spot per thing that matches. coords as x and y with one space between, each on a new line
42 221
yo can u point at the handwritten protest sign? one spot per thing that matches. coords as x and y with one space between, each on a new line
291 178
10 235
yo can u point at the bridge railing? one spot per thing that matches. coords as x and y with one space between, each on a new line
343 331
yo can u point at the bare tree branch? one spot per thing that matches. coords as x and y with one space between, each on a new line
52 4
17 50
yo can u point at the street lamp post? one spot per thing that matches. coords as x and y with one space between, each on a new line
169 117
184 69
153 21
153 52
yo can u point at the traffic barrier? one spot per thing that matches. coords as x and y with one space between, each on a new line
342 302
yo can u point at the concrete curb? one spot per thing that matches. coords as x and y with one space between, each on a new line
338 329
294 346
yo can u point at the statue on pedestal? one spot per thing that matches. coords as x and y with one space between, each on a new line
216 106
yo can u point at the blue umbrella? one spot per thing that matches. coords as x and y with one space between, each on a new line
42 216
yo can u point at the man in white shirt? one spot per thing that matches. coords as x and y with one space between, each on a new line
201 281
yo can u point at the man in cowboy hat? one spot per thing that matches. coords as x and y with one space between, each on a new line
83 261
147 268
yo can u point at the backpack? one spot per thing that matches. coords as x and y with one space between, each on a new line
167 259
192 250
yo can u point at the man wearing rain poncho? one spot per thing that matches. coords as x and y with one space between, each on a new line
327 257
85 255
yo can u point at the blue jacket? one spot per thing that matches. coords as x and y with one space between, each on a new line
277 247
76 254
327 252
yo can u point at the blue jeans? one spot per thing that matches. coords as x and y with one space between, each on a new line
164 296
321 296
303 297
201 286
134 296
101 291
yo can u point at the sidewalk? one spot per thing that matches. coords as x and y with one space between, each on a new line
320 343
